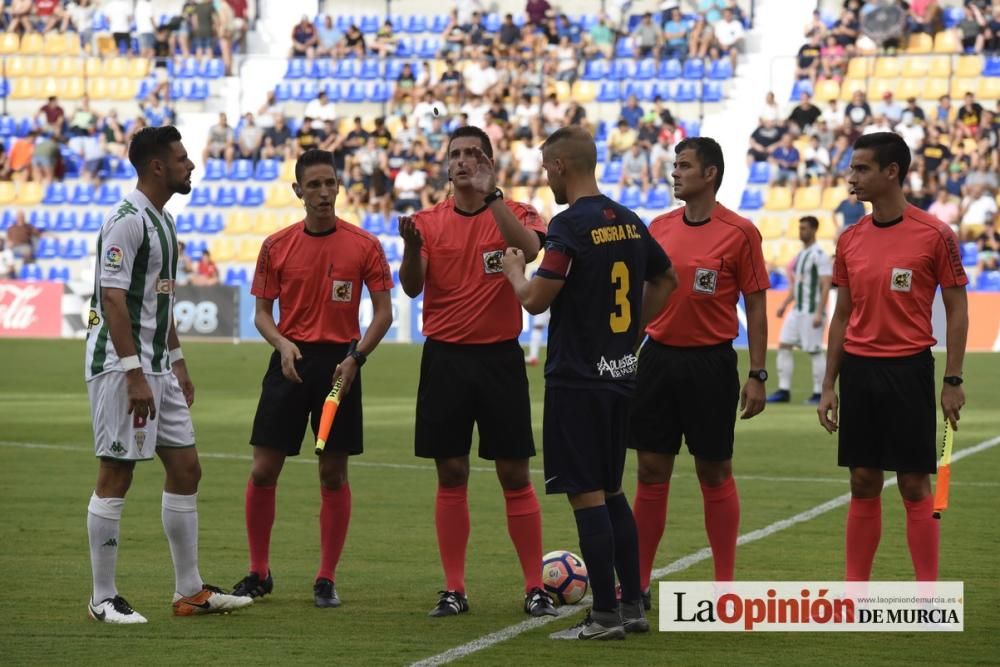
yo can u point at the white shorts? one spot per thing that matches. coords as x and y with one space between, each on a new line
541 319
798 331
119 435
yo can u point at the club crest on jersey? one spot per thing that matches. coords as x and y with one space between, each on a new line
113 258
705 281
343 290
493 261
902 280
93 319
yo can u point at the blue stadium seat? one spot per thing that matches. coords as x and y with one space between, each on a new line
4 88
211 69
694 69
369 69
92 221
186 69
492 22
146 87
296 68
692 128
439 23
195 90
184 223
8 127
24 127
55 194
619 71
373 223
109 194
404 47
306 92
121 169
378 92
800 86
253 196
612 172
631 196
722 69
333 91
283 92
48 248
65 221
416 24
641 91
196 248
41 219
200 196
602 150
646 69
658 197
369 23
992 66
211 223
988 281
970 254
953 16
760 173
752 200
608 92
393 68
601 131
224 197
6 219
594 70
347 68
392 253
355 93
429 48
215 169
31 272
75 249
686 91
778 280
661 89
345 21
267 170
320 68
623 49
236 277
241 170
58 274
711 92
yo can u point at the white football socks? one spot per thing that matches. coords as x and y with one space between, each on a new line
786 366
535 343
819 371
180 523
103 519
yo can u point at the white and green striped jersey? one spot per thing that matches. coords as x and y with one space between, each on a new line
811 265
136 252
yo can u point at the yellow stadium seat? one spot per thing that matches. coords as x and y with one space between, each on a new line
8 192
959 87
29 194
832 198
94 67
106 45
287 173
51 87
39 66
859 68
279 195
771 250
887 67
908 88
946 41
69 66
115 67
849 87
969 66
919 42
73 89
31 44
915 68
16 67
935 89
223 249
97 88
940 67
988 88
792 229
878 87
827 227
248 250
394 124
807 198
9 43
788 252
266 223
584 92
138 68
771 227
24 88
827 89
58 44
123 89
239 222
563 91
778 199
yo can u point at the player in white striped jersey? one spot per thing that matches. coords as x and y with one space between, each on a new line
809 291
137 380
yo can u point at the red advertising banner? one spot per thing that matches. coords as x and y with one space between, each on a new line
30 309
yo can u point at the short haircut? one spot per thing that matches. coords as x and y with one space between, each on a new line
312 157
473 131
888 147
575 144
810 220
709 154
151 143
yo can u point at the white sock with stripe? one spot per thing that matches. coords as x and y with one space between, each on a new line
103 519
180 523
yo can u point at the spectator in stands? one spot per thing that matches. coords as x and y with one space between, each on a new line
804 115
846 31
220 144
354 42
5 170
476 109
889 108
770 111
320 109
357 187
305 39
943 113
764 140
113 134
307 138
925 16
675 41
185 265
240 24
45 159
914 110
450 82
207 273
815 160
945 209
145 27
833 59
529 163
357 137
857 112
51 118
119 15
83 119
849 211
277 139
225 33
566 60
647 37
978 206
509 37
20 156
455 37
647 132
328 38
8 263
786 157
553 113
992 43
20 17
912 133
81 17
661 158
90 148
385 41
729 35
436 189
22 238
815 27
407 186
635 168
537 11
934 153
480 77
52 16
969 117
250 139
840 158
600 40
808 61
988 247
268 111
699 38
972 29
980 173
620 139
879 124
406 83
631 112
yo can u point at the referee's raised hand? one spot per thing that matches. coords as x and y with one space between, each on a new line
409 232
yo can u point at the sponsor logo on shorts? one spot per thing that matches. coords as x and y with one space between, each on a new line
705 281
902 280
493 261
117 448
113 258
343 290
618 368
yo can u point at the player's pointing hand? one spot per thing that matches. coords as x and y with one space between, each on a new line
513 262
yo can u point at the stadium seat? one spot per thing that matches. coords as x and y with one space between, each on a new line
287 171
266 223
200 196
224 197
947 42
970 254
988 88
194 91
618 71
240 170
239 222
429 48
369 23
934 88
38 67
771 227
211 68
373 223
236 276
686 91
584 92
31 44
832 198
65 222
752 200
888 67
253 196
959 87
29 194
48 248
612 172
378 92
283 92
760 172
8 193
969 66
185 223
355 93
721 70
594 70
369 69
438 23
215 169
279 195
670 69
248 250
92 221
223 249
266 170
919 42
631 197
296 69
877 88
991 67
58 274
694 69
609 92
646 69
9 43
778 199
55 194
988 281
196 248
416 24
108 195
827 227
807 198
211 223
31 272
711 92
658 197
907 88
860 68
75 249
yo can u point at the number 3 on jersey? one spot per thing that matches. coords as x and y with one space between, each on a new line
621 317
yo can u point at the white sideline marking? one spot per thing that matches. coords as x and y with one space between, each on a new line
487 641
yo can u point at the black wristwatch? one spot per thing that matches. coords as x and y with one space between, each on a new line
353 353
493 196
759 375
953 380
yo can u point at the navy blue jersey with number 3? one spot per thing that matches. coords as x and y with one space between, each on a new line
604 253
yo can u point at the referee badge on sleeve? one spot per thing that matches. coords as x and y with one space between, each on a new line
343 291
705 281
902 280
493 261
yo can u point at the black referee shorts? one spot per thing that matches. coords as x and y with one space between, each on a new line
583 439
888 413
466 385
686 392
285 407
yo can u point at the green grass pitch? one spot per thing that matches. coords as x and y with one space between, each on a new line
390 573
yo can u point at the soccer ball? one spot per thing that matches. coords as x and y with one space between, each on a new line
564 576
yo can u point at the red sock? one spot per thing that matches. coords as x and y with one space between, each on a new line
864 530
923 535
650 512
260 517
334 517
722 523
524 524
451 517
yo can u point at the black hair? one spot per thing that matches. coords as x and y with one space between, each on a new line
473 131
312 157
810 220
709 154
888 147
151 143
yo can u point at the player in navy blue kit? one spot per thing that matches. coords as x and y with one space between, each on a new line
605 278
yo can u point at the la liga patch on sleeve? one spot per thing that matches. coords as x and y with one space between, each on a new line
113 258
